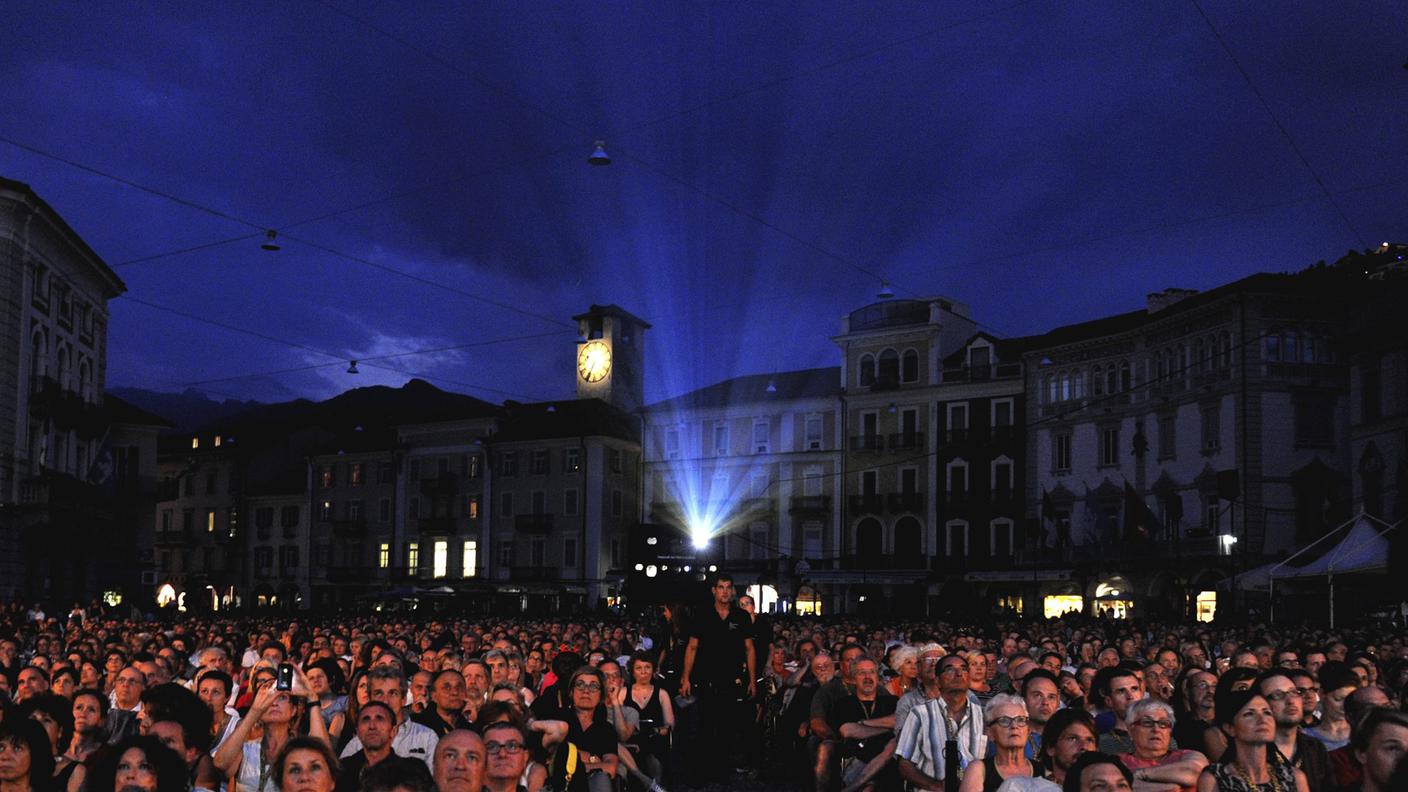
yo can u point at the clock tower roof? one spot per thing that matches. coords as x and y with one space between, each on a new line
611 310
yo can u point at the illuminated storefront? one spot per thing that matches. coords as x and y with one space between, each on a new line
1206 606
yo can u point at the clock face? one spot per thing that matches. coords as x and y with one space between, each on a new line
594 361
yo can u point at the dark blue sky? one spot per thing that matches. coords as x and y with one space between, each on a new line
1044 162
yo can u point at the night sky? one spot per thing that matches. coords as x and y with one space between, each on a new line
1044 162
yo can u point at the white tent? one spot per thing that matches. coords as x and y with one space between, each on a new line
1363 549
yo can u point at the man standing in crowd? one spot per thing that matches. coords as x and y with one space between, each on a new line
1300 749
956 715
460 760
719 670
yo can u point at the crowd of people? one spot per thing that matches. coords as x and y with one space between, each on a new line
695 695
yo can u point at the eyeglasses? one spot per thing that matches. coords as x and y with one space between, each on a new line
1281 695
928 661
1306 691
587 687
511 748
1150 723
1008 721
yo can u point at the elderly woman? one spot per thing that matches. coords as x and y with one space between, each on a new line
1155 765
305 764
1245 717
905 663
1008 728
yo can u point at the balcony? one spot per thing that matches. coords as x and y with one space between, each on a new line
443 484
758 506
906 441
871 443
533 523
902 502
1001 371
172 538
958 436
348 574
438 525
1003 498
810 504
917 563
62 492
1121 551
867 504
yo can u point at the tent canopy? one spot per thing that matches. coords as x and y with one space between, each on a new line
1363 547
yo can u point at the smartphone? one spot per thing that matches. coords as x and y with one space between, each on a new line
285 679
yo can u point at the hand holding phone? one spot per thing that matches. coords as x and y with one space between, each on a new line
284 681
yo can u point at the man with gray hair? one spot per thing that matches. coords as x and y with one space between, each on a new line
412 740
1154 760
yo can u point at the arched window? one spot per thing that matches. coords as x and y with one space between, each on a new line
38 355
1051 389
1290 347
1078 384
1273 346
1126 378
867 370
1225 348
1309 348
889 369
1000 538
956 538
83 376
870 539
65 369
1198 352
909 543
1065 386
909 366
1097 380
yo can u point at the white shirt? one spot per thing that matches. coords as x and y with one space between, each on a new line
926 730
412 741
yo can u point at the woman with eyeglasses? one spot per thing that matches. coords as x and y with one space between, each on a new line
1150 723
275 717
589 735
1248 766
1007 729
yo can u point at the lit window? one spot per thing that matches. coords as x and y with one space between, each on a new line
441 559
469 561
383 556
195 442
210 521
412 556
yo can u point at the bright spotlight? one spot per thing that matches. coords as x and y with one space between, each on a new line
640 567
651 571
700 540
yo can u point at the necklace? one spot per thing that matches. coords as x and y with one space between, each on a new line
867 711
1246 774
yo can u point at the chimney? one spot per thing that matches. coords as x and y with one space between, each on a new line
1167 298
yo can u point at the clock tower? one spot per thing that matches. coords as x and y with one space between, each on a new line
610 359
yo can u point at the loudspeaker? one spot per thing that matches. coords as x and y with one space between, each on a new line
1229 484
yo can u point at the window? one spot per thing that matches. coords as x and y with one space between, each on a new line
473 471
288 557
1273 347
867 370
538 462
540 502
188 520
811 481
957 422
1097 380
909 366
325 477
672 443
1000 538
383 556
760 436
980 362
758 483
537 552
1110 445
869 483
616 460
263 520
413 507
354 511
569 551
1002 479
956 538
1168 439
384 473
383 510
617 503
264 558
1290 347
354 474
720 439
1211 428
506 553
166 516
957 479
440 561
506 504
888 371
471 507
569 502
1002 413
1212 512
210 483
469 559
412 557
813 430
210 521
414 473
509 463
1061 450
811 540
288 516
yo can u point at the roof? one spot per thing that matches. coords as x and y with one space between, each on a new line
1318 281
1004 349
610 310
120 411
816 383
563 419
105 272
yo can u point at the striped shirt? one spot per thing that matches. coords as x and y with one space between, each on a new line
927 728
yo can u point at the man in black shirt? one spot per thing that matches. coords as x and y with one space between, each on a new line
866 719
376 726
720 669
444 714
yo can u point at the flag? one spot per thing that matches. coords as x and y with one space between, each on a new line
102 471
1140 522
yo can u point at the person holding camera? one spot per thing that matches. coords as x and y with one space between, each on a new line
278 713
